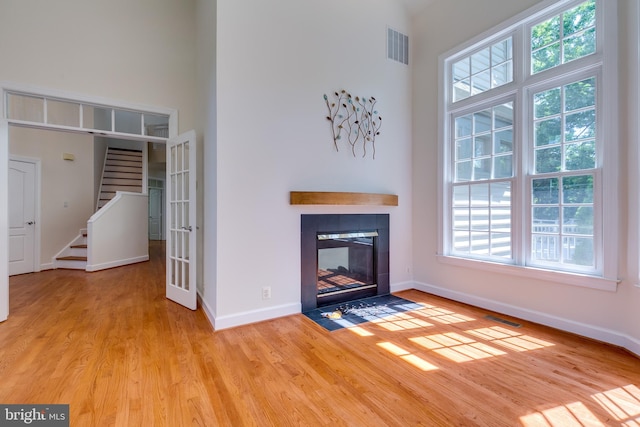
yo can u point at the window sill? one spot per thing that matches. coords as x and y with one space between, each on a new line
565 278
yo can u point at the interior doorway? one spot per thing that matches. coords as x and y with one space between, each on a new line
24 181
156 209
53 111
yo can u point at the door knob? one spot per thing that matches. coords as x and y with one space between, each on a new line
31 222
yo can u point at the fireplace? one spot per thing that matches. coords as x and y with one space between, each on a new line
344 257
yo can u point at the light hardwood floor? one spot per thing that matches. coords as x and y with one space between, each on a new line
110 345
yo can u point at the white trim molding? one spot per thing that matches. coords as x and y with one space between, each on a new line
118 263
590 331
4 217
208 311
253 316
560 277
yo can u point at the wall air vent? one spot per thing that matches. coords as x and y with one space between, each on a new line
397 46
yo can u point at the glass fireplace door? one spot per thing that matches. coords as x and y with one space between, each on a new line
346 265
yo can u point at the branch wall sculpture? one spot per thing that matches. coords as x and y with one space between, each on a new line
356 119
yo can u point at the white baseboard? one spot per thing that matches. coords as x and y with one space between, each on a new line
403 286
633 345
117 263
208 311
48 266
253 316
601 334
583 329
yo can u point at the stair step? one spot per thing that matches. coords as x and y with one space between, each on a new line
125 151
125 157
122 164
120 181
125 175
127 169
107 188
123 171
79 246
72 258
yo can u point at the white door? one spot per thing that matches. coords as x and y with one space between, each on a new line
155 213
181 219
22 214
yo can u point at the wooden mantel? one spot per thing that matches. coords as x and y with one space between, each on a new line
340 198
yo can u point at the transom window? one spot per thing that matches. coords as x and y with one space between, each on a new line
490 67
71 115
567 36
524 177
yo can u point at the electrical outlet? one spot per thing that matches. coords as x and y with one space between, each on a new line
266 292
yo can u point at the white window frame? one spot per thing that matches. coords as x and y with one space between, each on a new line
633 108
603 65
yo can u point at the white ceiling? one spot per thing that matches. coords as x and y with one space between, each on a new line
414 6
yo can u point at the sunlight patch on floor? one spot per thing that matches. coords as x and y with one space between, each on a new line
358 330
442 315
457 347
623 403
570 415
510 339
400 321
405 355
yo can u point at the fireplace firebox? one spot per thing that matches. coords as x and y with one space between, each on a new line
344 257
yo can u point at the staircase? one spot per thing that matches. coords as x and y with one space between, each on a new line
122 172
74 256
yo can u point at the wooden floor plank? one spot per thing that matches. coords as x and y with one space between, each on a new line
113 347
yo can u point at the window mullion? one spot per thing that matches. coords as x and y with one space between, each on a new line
522 136
522 199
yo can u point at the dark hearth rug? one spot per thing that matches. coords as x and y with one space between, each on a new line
347 314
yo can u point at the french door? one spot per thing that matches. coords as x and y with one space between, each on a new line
181 219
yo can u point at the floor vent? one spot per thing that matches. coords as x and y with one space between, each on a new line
506 322
397 46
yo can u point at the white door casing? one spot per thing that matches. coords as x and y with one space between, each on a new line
181 220
23 200
30 90
4 218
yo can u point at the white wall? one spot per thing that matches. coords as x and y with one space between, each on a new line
118 233
62 181
206 129
135 52
275 60
630 19
139 51
603 315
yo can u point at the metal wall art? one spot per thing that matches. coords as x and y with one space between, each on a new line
355 120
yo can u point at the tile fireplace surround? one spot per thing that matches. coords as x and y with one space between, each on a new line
311 225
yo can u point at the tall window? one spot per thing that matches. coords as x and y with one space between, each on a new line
523 159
